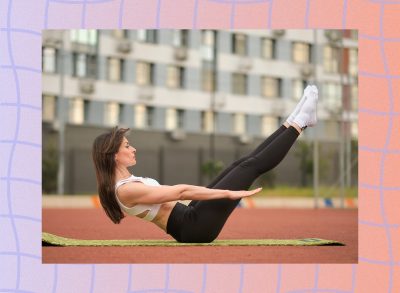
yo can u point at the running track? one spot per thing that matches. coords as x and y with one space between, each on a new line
333 224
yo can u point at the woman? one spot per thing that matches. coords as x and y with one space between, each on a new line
202 220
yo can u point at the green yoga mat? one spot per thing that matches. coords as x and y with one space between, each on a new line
54 240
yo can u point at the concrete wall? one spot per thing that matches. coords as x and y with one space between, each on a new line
173 162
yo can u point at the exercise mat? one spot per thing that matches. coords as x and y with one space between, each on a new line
54 240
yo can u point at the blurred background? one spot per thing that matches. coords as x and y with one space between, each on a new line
196 100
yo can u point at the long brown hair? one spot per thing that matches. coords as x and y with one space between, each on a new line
105 146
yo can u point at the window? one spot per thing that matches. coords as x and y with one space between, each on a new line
239 123
208 38
332 93
180 38
271 87
208 80
49 60
350 34
354 34
175 77
149 116
120 34
140 116
49 106
239 44
144 73
86 37
115 69
170 117
80 65
84 65
354 97
269 125
331 59
174 119
76 111
354 129
144 116
207 121
239 84
121 116
353 62
301 52
298 87
147 36
112 113
207 76
268 48
208 41
181 118
86 111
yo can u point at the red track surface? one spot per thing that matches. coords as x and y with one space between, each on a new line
339 225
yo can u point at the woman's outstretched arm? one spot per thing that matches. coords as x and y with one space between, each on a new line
134 193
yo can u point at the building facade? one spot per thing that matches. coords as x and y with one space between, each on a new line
162 81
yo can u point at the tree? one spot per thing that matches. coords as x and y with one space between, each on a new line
49 169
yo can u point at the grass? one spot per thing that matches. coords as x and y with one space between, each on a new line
324 192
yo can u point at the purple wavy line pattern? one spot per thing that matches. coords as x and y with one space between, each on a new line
17 265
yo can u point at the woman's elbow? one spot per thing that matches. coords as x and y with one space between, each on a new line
176 192
183 192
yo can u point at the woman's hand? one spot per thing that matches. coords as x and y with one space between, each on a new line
233 194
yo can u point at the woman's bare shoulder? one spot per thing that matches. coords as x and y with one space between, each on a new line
129 191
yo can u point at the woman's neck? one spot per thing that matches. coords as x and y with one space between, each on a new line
122 173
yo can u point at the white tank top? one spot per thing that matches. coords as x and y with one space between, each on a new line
139 208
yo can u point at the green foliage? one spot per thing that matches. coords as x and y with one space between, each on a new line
49 169
212 168
306 165
291 191
304 153
268 180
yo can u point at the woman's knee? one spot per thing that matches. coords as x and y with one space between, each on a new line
250 162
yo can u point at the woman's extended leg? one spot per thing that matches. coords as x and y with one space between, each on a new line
207 218
266 142
260 147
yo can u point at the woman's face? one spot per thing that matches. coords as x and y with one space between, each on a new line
126 155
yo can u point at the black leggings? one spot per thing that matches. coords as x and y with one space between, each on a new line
203 220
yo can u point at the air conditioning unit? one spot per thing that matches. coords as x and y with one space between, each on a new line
145 93
245 64
245 138
55 125
177 134
306 71
333 36
145 97
278 33
52 38
181 53
124 47
277 107
220 101
51 42
86 86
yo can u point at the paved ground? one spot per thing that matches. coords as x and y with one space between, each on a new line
333 224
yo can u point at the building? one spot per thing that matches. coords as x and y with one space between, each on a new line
160 82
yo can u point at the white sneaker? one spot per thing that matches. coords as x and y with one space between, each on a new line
299 105
307 115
